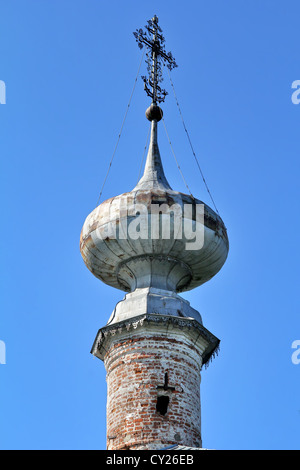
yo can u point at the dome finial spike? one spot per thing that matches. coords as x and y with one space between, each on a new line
154 175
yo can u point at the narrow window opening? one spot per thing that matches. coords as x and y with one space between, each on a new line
162 404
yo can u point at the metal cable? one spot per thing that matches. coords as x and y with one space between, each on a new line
119 136
176 159
189 139
144 154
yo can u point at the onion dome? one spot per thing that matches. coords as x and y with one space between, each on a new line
153 236
154 242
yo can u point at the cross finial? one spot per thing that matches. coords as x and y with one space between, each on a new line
156 56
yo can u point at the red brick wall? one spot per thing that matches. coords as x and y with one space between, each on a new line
136 365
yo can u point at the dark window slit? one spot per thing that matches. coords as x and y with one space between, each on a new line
162 404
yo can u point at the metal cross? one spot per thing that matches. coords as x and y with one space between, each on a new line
156 56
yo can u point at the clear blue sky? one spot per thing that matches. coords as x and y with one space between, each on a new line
69 68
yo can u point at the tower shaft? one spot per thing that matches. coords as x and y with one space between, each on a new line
153 365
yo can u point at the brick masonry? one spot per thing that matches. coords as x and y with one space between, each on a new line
141 367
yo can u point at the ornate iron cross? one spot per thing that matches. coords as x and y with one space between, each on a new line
156 57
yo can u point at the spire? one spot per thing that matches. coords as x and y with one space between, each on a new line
157 57
154 176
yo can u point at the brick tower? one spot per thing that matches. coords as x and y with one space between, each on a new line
154 243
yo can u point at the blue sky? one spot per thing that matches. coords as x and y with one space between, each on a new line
69 68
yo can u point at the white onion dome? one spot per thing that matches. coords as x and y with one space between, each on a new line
127 243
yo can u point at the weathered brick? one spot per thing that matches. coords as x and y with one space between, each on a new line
136 370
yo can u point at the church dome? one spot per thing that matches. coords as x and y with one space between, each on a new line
154 236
